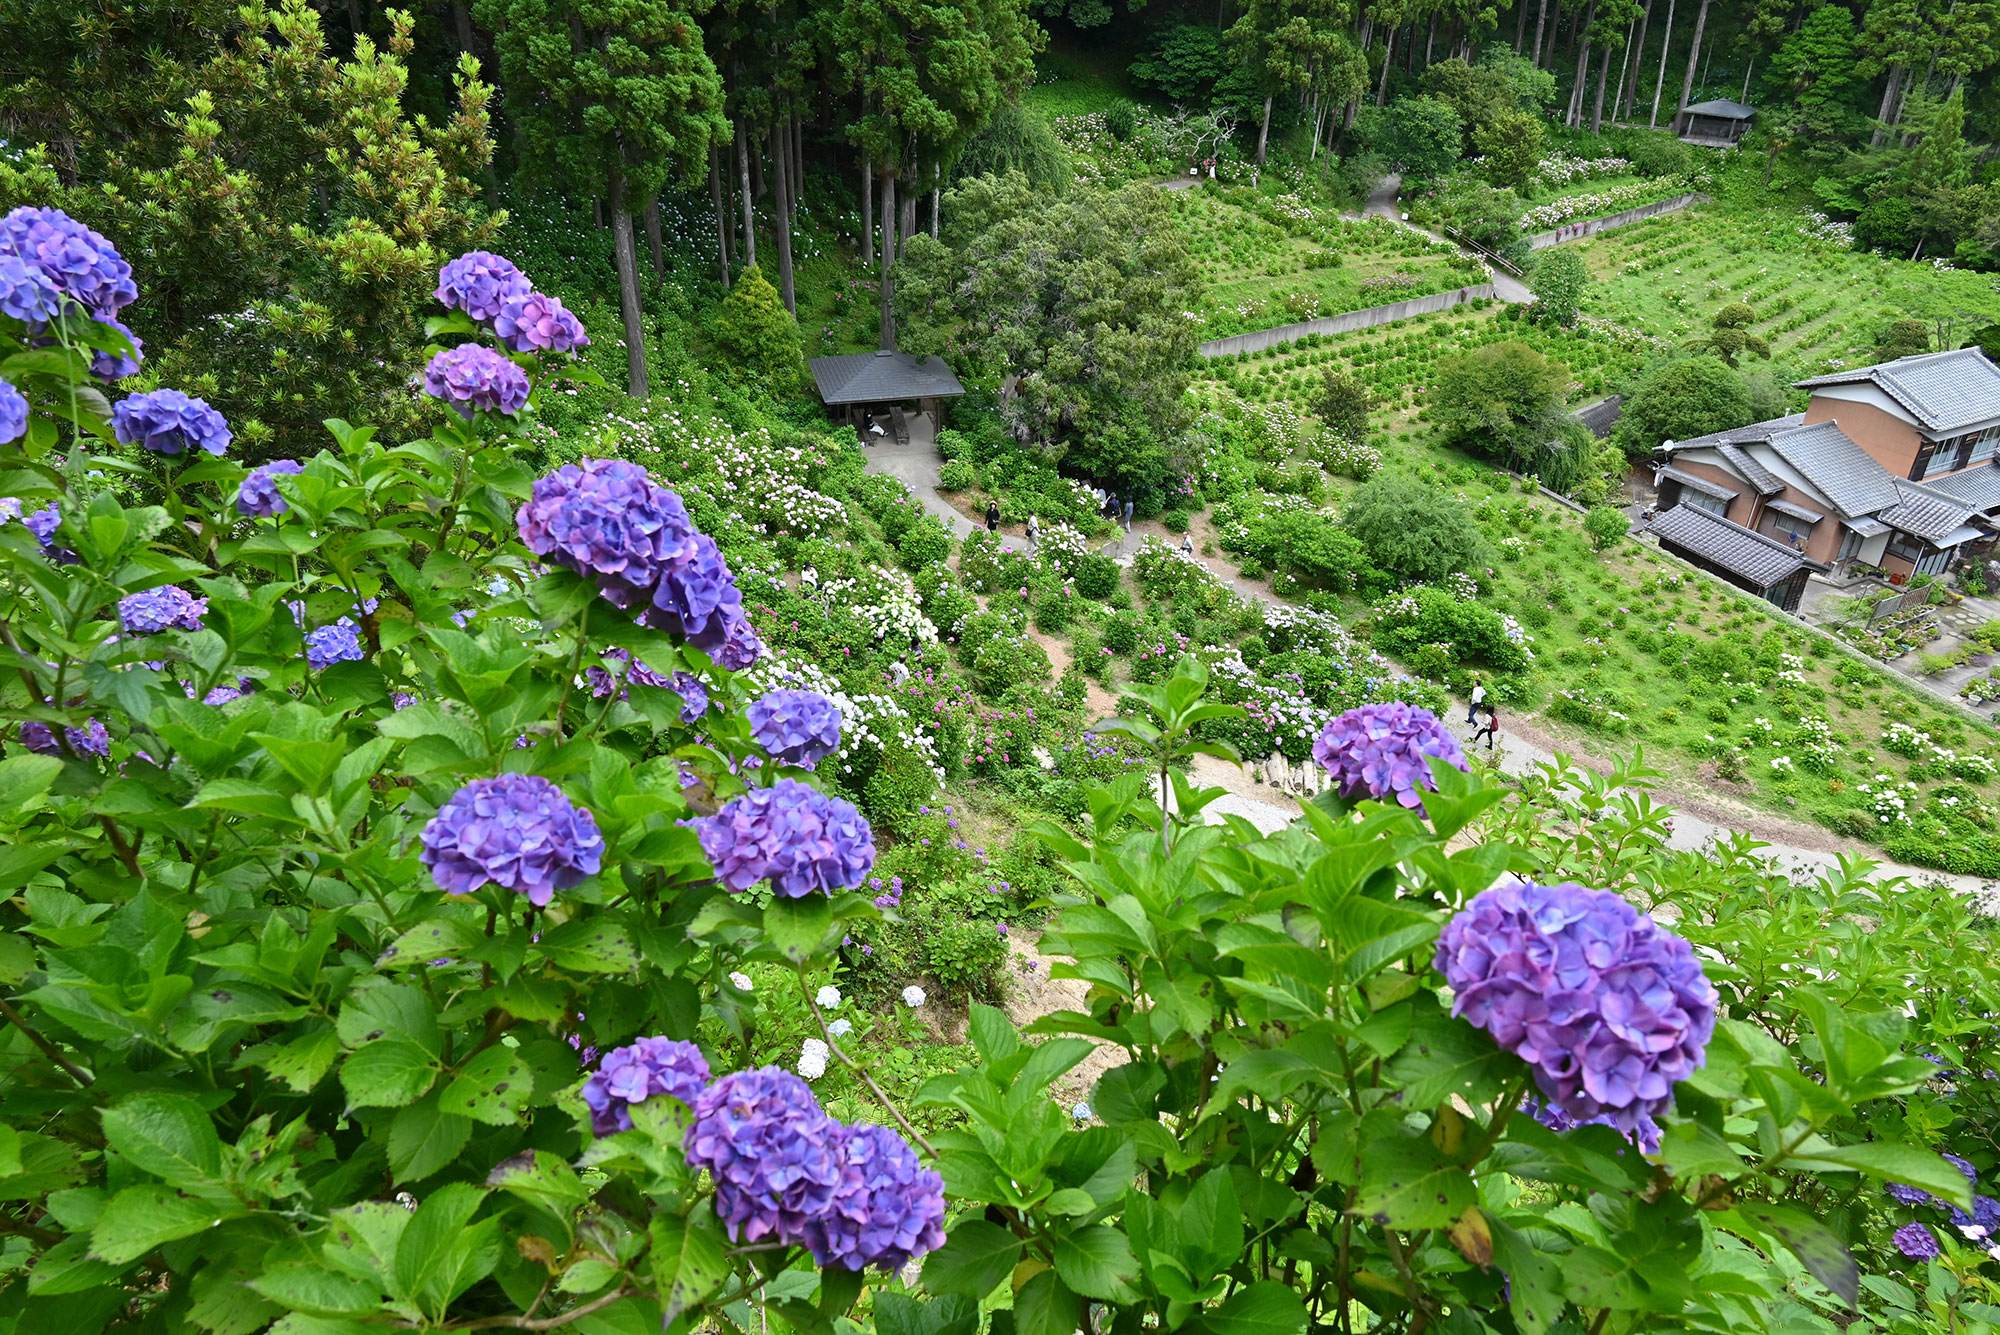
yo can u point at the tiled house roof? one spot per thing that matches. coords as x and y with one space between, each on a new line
883 377
1756 559
1838 469
1943 391
1925 514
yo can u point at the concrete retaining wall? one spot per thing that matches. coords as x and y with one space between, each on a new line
1576 231
1349 321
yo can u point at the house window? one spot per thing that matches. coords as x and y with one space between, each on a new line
1701 500
1786 528
1906 548
1944 457
1850 545
1984 446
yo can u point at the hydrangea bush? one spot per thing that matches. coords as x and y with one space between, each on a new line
373 965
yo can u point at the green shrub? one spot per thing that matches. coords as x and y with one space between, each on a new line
1052 611
1176 521
1095 576
925 543
958 475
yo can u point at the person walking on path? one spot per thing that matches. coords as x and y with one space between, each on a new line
1478 699
1491 732
1128 514
992 516
1187 544
1033 531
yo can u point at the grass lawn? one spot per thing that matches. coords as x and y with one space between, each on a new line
1270 259
1822 306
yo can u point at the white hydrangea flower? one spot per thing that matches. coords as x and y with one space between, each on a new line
828 998
841 1028
742 982
1081 1112
914 996
812 1058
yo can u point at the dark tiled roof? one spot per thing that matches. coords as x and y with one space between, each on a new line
1868 528
1700 484
1758 560
1601 416
1977 487
883 377
1796 511
1746 467
1924 513
1723 107
1737 435
1837 468
1942 390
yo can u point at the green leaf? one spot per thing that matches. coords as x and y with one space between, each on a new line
312 1288
590 945
298 1064
1446 1056
973 1260
1893 1162
68 1267
1407 1182
167 1136
388 1073
688 1261
432 1257
1264 1308
1097 1262
797 927
1822 1251
1536 1299
900 1314
541 1178
1045 1306
493 1087
138 1219
422 1140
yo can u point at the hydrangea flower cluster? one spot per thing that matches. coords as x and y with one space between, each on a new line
693 694
635 1073
78 262
1382 751
797 838
13 413
257 497
516 831
168 607
113 366
167 421
608 521
796 727
89 740
480 283
338 643
536 322
1608 1009
26 294
1915 1241
473 376
854 1196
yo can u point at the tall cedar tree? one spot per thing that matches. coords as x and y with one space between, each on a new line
616 98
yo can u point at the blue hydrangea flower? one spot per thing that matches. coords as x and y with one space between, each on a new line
1907 1194
13 413
769 1147
1608 1009
517 831
258 497
1382 751
794 836
168 607
1915 1241
89 740
635 1073
43 523
536 322
26 294
114 366
480 283
77 261
167 421
887 1208
795 727
338 643
473 376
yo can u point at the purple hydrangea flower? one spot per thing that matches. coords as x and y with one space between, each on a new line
89 740
221 695
1906 1193
606 520
770 1149
796 727
79 262
630 1075
113 366
796 837
517 831
258 496
472 375
536 322
1971 1173
26 294
1382 751
601 681
480 283
167 421
338 643
1608 1009
168 607
13 413
43 523
1915 1241
886 1209
697 598
740 645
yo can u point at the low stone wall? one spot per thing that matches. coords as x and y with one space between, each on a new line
1348 322
1576 231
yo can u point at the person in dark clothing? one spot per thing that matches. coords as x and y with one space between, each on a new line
993 516
1491 732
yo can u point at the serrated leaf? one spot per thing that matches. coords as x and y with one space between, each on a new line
1408 1183
312 1288
1097 1262
138 1219
170 1137
422 1140
1264 1308
688 1260
494 1088
796 928
974 1259
590 945
388 1073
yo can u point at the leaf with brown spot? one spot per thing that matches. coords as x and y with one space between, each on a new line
1472 1237
493 1088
